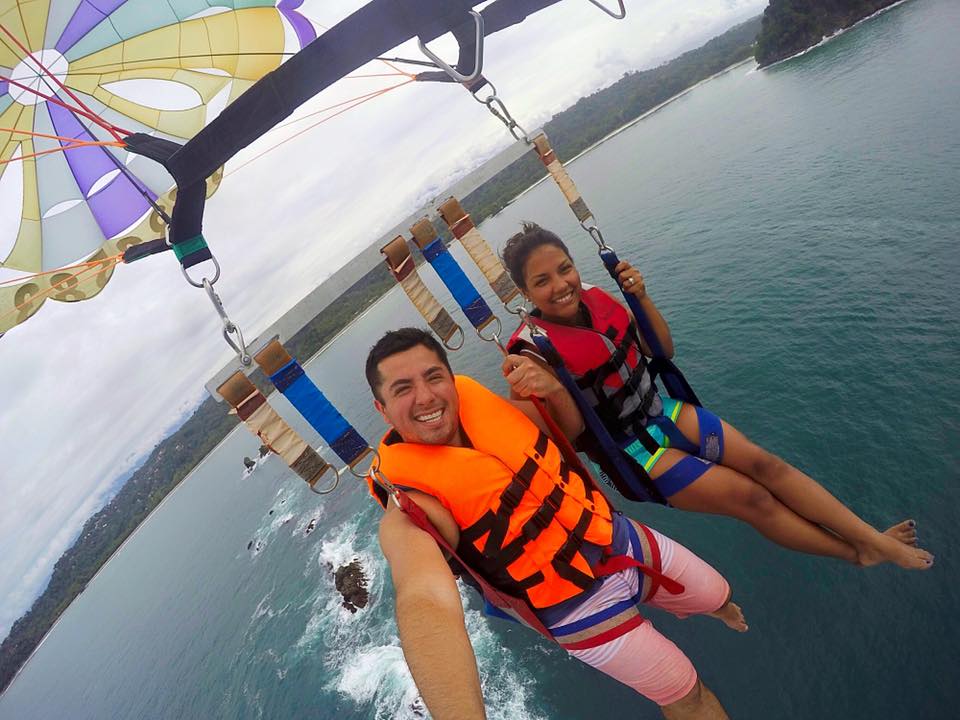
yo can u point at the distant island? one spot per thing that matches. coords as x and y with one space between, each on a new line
792 26
571 131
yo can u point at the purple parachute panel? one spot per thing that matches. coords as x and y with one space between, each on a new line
304 29
88 15
121 202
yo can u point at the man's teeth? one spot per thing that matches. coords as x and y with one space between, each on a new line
432 416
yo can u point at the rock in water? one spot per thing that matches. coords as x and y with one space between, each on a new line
248 463
264 451
352 585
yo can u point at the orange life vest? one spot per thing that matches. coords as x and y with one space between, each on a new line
523 513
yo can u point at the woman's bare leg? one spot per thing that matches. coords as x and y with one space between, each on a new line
809 499
724 491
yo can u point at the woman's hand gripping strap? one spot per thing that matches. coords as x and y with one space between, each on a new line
674 381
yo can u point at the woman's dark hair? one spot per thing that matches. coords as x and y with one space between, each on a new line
519 247
398 341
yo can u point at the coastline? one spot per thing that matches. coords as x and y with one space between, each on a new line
639 118
838 33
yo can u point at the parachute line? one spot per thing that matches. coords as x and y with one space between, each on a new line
355 102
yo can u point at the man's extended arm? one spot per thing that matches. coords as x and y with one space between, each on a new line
430 614
527 377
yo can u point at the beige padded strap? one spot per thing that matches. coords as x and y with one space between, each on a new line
266 424
479 249
397 256
559 173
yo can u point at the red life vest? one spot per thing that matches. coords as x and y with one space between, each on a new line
605 360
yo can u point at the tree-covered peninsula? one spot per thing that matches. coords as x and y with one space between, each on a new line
791 26
570 131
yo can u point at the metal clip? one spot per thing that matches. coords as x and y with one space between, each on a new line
611 13
478 60
596 235
229 327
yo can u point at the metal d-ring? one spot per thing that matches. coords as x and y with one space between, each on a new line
478 60
216 266
495 336
519 309
336 481
216 274
622 14
372 470
451 348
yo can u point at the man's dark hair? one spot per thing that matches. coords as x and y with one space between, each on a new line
519 247
398 341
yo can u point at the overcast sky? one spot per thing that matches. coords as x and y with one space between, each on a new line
89 387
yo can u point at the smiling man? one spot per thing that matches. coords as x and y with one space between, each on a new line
491 480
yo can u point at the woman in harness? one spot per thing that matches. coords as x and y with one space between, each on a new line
688 456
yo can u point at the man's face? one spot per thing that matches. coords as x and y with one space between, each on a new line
420 398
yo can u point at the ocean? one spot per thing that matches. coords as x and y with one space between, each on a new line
798 228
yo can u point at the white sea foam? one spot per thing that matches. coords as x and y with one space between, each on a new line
378 677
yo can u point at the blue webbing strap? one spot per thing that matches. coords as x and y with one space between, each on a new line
676 438
306 397
636 487
463 291
682 473
673 380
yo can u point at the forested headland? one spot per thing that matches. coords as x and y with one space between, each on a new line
571 131
792 26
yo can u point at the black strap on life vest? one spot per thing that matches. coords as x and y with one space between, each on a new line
630 478
496 557
610 407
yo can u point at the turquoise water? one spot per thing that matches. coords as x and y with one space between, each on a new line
798 229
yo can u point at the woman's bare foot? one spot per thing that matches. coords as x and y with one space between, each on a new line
886 548
905 532
732 616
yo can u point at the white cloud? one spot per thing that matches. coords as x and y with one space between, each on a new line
88 387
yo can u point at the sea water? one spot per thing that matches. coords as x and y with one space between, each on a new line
798 228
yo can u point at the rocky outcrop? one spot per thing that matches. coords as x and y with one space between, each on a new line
351 583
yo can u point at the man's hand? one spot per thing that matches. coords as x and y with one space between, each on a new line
527 378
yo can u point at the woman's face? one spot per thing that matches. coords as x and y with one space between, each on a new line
553 283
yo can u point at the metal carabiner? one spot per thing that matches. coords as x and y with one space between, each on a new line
478 59
611 13
497 108
229 327
596 235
